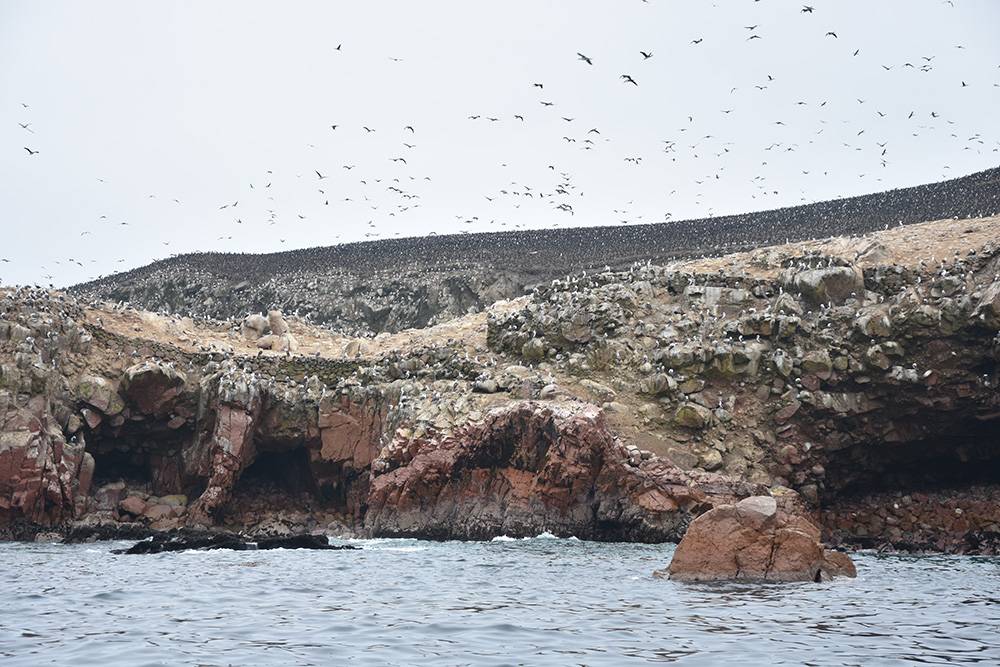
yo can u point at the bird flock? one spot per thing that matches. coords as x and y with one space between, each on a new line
386 202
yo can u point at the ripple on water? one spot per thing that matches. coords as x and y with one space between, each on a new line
541 601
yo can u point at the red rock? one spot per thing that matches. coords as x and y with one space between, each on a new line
229 449
349 433
100 393
133 505
152 387
92 418
529 468
40 472
157 512
753 540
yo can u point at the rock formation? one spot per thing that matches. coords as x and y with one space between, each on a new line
270 333
857 376
753 541
528 468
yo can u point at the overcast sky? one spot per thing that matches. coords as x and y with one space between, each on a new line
148 117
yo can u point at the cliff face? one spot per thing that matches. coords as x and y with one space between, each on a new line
853 379
392 285
524 469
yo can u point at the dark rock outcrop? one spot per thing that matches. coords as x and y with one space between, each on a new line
188 540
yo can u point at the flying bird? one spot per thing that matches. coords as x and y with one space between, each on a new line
831 34
30 152
628 79
585 58
646 56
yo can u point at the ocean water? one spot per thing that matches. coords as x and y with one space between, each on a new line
507 602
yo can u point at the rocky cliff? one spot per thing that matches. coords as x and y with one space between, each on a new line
853 379
391 285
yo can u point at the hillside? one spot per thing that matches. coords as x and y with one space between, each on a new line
391 285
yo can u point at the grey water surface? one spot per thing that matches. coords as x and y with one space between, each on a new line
534 602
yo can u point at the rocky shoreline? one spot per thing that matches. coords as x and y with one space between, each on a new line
857 388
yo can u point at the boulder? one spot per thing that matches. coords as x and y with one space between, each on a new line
692 415
834 284
601 392
299 542
988 310
285 343
533 350
818 363
267 342
108 496
276 321
153 387
253 326
133 505
100 393
159 511
753 540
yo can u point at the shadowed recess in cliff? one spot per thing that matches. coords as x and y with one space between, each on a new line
964 455
278 471
148 459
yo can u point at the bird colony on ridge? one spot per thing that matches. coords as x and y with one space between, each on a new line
701 145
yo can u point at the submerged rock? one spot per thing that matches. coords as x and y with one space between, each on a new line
186 540
300 542
752 540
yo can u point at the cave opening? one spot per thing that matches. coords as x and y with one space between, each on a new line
130 466
285 472
967 455
287 478
146 456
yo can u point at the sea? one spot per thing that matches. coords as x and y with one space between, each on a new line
537 601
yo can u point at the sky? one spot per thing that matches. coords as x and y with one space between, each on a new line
175 127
